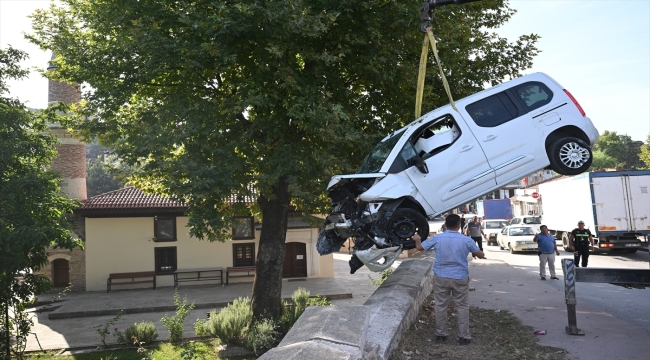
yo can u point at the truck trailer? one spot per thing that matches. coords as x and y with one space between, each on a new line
494 209
614 205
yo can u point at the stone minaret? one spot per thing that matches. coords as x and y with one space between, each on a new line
68 267
71 162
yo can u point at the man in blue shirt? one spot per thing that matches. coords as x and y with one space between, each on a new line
547 248
451 275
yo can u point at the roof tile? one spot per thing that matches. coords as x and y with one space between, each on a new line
131 198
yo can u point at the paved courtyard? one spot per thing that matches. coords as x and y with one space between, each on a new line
72 324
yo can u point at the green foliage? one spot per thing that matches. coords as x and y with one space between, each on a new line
383 276
231 323
644 154
99 180
210 97
624 151
32 209
602 161
174 323
300 300
262 336
199 327
144 332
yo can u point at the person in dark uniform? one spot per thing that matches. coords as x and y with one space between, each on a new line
462 222
579 242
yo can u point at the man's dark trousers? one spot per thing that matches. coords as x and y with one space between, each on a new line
581 250
479 242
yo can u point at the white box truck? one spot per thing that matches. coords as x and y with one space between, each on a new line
614 205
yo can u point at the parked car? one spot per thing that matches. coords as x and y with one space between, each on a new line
517 238
448 157
492 227
528 220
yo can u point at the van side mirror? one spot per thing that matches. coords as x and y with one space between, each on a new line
421 165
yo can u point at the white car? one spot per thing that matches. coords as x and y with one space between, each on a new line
517 238
491 227
447 158
527 220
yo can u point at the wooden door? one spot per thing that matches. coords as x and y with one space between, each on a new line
295 260
60 272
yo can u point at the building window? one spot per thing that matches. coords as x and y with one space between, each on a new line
165 260
243 228
243 254
164 228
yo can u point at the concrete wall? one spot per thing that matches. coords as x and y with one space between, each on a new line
370 331
115 245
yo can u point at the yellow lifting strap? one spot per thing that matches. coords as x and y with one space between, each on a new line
423 70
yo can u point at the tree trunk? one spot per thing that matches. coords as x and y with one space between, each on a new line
5 308
267 287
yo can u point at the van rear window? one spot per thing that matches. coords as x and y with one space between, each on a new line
533 95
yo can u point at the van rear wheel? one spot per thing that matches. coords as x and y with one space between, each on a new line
570 156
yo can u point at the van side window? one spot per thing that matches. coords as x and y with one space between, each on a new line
436 136
533 95
492 111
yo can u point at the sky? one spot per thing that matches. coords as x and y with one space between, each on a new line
599 50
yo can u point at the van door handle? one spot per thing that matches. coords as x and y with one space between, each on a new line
490 138
466 148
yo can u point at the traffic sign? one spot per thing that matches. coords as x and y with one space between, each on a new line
535 195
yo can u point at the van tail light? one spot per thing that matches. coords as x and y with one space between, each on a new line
575 102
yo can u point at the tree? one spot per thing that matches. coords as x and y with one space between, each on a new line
621 148
602 161
214 96
32 211
644 153
99 178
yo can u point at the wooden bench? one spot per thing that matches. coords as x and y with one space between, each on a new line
212 275
130 278
246 270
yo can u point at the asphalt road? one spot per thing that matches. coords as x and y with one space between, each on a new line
630 305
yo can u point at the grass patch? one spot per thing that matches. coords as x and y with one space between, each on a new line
207 350
494 336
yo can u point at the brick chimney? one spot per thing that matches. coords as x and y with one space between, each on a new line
71 162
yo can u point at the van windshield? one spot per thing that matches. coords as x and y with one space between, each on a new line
374 161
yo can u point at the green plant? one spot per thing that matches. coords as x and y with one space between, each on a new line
262 336
144 331
199 327
383 276
319 300
300 300
174 323
188 352
104 329
231 324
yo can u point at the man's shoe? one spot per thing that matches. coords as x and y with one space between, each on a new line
554 278
543 277
440 339
463 341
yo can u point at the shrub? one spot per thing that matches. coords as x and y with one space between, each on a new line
144 332
300 301
231 324
199 327
175 322
262 336
383 276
